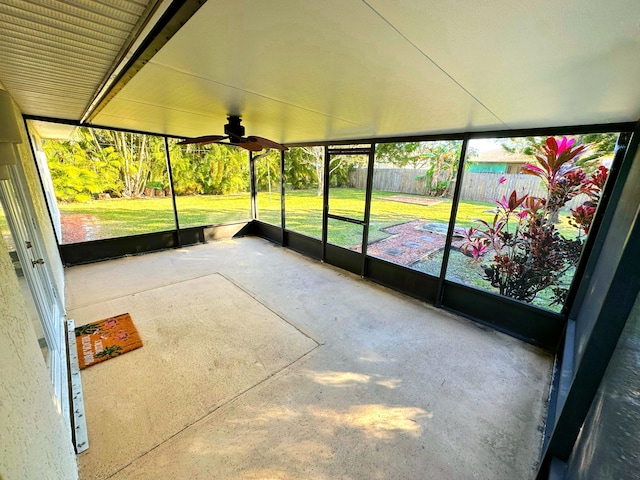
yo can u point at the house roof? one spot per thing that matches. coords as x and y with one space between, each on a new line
500 155
338 69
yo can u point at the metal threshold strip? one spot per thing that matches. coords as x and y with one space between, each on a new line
79 420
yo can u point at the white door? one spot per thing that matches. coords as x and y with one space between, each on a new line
29 247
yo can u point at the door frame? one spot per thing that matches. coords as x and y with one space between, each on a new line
326 215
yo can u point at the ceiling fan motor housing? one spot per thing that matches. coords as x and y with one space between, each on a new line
233 128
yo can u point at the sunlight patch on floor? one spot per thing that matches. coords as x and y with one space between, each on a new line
378 421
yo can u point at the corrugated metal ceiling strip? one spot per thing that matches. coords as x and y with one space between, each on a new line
86 29
83 9
70 14
55 99
55 60
17 76
47 63
63 97
124 5
52 104
63 41
89 43
54 84
44 71
56 53
28 46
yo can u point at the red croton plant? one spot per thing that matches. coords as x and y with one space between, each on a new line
529 253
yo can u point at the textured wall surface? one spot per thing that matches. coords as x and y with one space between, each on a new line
34 443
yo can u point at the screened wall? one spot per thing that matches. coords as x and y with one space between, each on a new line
493 227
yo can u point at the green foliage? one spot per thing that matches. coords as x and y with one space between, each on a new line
96 161
267 170
440 159
120 164
304 168
600 145
529 253
301 167
209 170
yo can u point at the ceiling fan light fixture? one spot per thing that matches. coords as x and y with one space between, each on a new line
234 132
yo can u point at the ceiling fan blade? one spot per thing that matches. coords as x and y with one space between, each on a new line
265 142
203 140
252 146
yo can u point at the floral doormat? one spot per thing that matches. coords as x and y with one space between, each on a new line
105 339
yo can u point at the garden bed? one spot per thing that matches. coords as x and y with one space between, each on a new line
414 200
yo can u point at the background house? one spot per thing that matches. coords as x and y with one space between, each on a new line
497 160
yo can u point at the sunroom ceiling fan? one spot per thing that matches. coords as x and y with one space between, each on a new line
234 132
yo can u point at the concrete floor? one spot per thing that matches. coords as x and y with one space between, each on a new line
260 363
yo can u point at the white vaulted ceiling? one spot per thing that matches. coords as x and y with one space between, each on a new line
299 71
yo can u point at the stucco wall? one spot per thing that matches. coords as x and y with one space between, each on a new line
34 443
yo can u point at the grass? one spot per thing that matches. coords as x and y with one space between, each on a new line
4 230
121 217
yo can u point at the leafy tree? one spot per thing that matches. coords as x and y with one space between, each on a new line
213 169
401 155
77 175
600 145
304 168
299 170
98 161
440 159
523 145
267 168
140 157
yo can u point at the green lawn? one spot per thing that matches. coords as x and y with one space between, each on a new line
120 217
4 230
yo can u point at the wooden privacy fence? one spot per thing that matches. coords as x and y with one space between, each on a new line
399 180
486 187
480 187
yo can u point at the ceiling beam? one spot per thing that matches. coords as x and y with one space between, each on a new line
173 18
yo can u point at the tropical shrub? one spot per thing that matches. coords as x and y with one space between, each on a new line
529 254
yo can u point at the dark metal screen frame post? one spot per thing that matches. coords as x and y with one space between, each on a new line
252 187
367 208
452 221
282 193
325 202
167 156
